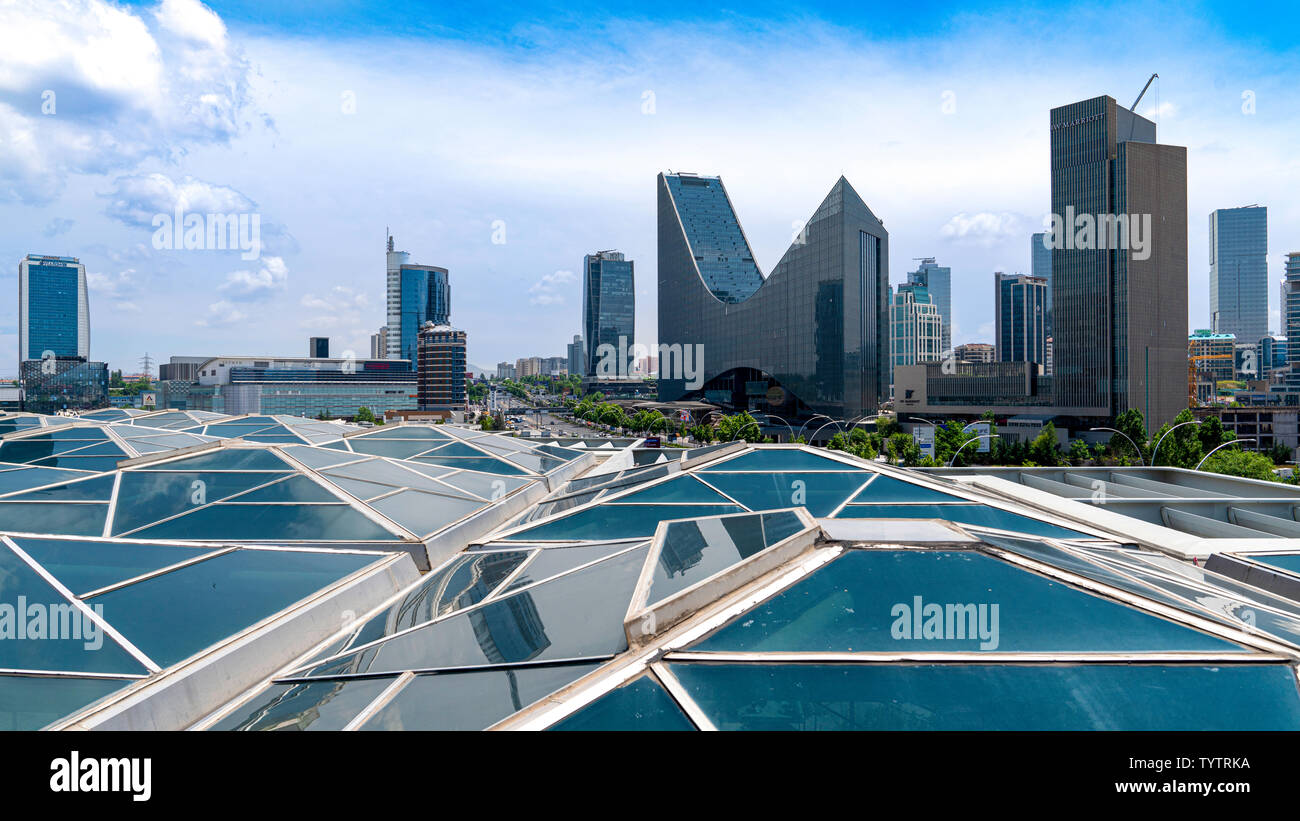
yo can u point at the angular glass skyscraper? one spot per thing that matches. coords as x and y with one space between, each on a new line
915 326
1021 318
1119 314
608 311
53 308
1239 272
416 294
813 337
937 281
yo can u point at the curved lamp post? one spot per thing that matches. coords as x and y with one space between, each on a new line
1220 447
787 424
819 430
1130 441
968 441
1166 433
810 418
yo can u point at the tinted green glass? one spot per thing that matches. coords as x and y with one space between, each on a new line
424 513
486 464
293 489
396 448
640 705
322 705
86 566
175 615
553 561
144 497
489 487
994 697
99 489
32 702
617 521
947 601
979 515
1291 564
29 477
471 701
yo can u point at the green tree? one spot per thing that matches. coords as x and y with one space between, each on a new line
1181 448
1079 452
887 426
737 427
1045 450
1279 453
1234 462
1212 433
949 439
364 414
903 448
1132 425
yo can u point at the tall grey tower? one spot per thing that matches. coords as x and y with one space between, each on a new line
937 281
608 310
1239 272
1119 264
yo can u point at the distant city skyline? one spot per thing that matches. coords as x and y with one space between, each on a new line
956 168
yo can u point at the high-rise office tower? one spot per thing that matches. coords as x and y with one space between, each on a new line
812 337
416 294
440 377
915 327
318 347
1021 318
937 281
1119 264
608 311
1239 272
577 352
1291 309
53 308
379 344
1040 265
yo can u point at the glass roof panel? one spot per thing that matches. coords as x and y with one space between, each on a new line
538 624
150 496
778 459
616 522
1289 563
43 630
61 518
947 601
971 514
22 478
489 487
225 459
89 463
173 616
993 697
471 701
86 566
888 489
320 705
271 523
33 702
694 551
402 432
97 489
424 513
820 493
556 560
638 705
314 457
681 489
395 448
485 464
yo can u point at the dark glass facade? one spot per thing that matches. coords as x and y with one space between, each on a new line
608 309
64 383
425 297
53 308
1239 272
441 368
1021 319
816 330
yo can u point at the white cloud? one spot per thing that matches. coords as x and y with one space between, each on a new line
984 228
548 291
222 314
251 286
87 86
118 289
135 199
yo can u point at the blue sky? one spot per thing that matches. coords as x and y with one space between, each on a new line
332 120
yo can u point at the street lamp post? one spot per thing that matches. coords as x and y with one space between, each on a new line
787 424
1220 447
967 442
1130 441
814 416
1166 433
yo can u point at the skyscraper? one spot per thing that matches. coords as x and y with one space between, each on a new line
318 347
915 327
1119 264
416 294
53 308
1021 318
1239 272
1291 309
440 378
1040 265
608 309
577 352
937 281
812 337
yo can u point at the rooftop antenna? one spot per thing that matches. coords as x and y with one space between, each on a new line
1133 108
389 234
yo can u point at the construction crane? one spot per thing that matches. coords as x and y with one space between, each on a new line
1133 107
1193 367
